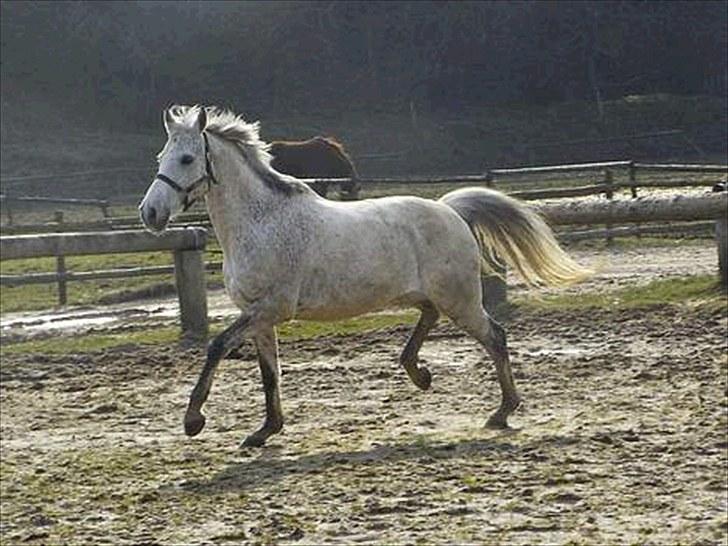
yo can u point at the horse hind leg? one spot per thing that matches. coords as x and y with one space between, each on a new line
266 344
498 349
493 337
419 375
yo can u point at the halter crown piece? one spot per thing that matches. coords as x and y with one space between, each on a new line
208 177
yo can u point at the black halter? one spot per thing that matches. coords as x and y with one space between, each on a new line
208 178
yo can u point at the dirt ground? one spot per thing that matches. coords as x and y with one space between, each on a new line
622 440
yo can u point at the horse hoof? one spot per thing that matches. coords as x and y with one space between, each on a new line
254 440
497 422
194 423
424 379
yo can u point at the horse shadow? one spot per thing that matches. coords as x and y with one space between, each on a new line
270 467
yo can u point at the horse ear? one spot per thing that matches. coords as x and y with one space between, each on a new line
202 119
167 119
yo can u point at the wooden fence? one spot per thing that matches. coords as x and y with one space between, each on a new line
491 178
8 202
607 168
605 212
712 206
186 244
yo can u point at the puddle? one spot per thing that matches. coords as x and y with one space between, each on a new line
69 323
76 320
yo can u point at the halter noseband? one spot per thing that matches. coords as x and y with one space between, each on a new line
207 177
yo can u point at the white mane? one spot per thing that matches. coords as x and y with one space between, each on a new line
246 136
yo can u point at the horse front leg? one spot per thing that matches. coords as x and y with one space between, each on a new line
267 346
218 349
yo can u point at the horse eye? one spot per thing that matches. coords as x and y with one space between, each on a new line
187 159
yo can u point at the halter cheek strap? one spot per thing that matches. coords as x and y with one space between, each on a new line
208 177
171 183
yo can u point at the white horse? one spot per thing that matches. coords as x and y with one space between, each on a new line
289 253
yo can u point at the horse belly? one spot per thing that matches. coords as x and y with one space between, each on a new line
327 296
353 308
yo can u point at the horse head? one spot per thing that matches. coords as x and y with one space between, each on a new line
184 173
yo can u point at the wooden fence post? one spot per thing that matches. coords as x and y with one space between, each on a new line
609 191
6 203
633 179
61 264
9 210
633 187
189 274
721 238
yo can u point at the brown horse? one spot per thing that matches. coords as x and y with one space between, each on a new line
317 157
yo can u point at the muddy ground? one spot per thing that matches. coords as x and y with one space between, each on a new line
622 439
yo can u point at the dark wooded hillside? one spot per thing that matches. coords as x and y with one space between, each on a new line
408 86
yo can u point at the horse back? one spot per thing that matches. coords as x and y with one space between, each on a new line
317 157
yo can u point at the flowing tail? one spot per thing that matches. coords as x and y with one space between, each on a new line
509 231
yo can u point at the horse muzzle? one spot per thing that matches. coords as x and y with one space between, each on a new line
153 219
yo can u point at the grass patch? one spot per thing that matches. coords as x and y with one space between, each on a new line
696 291
45 296
297 329
93 342
293 330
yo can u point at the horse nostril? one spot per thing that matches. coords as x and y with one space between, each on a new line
152 215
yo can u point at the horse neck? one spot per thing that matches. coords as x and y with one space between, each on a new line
240 199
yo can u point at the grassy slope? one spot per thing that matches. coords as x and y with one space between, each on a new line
492 135
697 291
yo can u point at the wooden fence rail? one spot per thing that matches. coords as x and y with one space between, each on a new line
120 273
643 209
488 178
186 244
681 208
560 169
108 224
682 228
101 242
124 235
607 187
492 174
133 222
9 200
681 168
